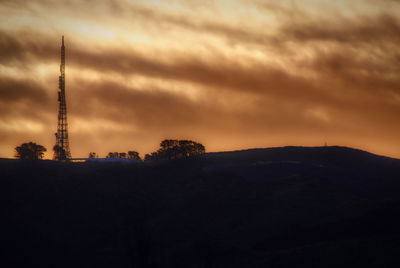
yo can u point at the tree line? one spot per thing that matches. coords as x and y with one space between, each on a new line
130 155
175 149
169 149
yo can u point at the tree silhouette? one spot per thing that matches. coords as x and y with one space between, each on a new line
174 149
30 151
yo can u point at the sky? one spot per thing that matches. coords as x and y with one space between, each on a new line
231 74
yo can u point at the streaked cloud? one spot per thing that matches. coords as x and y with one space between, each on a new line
231 74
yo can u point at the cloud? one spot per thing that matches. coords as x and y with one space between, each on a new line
22 98
371 30
25 47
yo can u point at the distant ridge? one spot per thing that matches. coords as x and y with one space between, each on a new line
298 152
294 148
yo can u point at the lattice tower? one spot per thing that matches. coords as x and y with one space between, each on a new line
61 149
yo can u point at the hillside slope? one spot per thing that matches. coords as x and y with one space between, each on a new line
276 207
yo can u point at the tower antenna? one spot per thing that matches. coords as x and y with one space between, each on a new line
61 149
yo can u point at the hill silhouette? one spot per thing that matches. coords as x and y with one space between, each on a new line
275 207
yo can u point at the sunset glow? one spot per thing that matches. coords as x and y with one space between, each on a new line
229 74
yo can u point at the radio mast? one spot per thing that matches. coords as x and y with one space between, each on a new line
61 149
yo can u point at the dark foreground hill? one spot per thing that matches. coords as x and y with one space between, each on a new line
278 207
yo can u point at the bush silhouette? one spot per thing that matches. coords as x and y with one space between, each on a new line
92 155
134 155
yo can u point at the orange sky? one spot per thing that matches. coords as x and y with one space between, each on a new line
229 74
